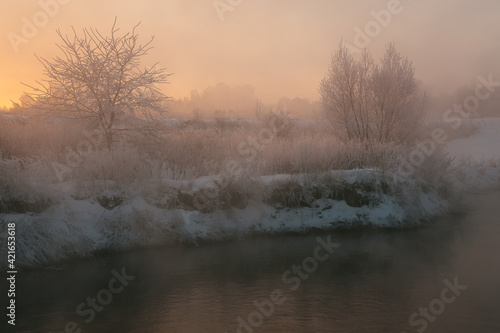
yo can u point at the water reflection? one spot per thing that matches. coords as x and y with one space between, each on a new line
371 283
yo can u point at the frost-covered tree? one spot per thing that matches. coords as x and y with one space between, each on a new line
98 79
369 101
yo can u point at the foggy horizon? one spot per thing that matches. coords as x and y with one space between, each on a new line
250 166
279 49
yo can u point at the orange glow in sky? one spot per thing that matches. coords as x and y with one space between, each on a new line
280 47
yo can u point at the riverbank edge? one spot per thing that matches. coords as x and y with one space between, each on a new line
365 198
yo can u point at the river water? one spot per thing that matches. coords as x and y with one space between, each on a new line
444 277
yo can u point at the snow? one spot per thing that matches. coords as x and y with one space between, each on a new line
79 227
484 145
477 158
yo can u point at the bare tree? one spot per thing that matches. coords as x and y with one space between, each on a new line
363 100
98 79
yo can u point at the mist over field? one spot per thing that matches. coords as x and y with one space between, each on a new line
250 166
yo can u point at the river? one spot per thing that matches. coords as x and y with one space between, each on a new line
444 277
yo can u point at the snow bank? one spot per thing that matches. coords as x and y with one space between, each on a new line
162 211
477 158
277 203
484 145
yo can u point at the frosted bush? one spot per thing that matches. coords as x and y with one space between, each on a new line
27 181
124 163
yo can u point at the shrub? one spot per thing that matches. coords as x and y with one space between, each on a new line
367 101
27 185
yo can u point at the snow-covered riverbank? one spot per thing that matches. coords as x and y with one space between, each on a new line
281 203
170 211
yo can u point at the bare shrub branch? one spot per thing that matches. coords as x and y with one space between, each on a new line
367 101
99 79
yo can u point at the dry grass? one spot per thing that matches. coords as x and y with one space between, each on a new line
190 150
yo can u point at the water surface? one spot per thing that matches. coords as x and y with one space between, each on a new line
373 282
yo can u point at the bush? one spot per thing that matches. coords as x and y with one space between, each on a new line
366 101
27 185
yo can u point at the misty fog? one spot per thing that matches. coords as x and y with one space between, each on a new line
250 166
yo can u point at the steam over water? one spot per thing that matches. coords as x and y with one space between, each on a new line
373 282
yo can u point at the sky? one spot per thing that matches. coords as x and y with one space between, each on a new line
280 47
